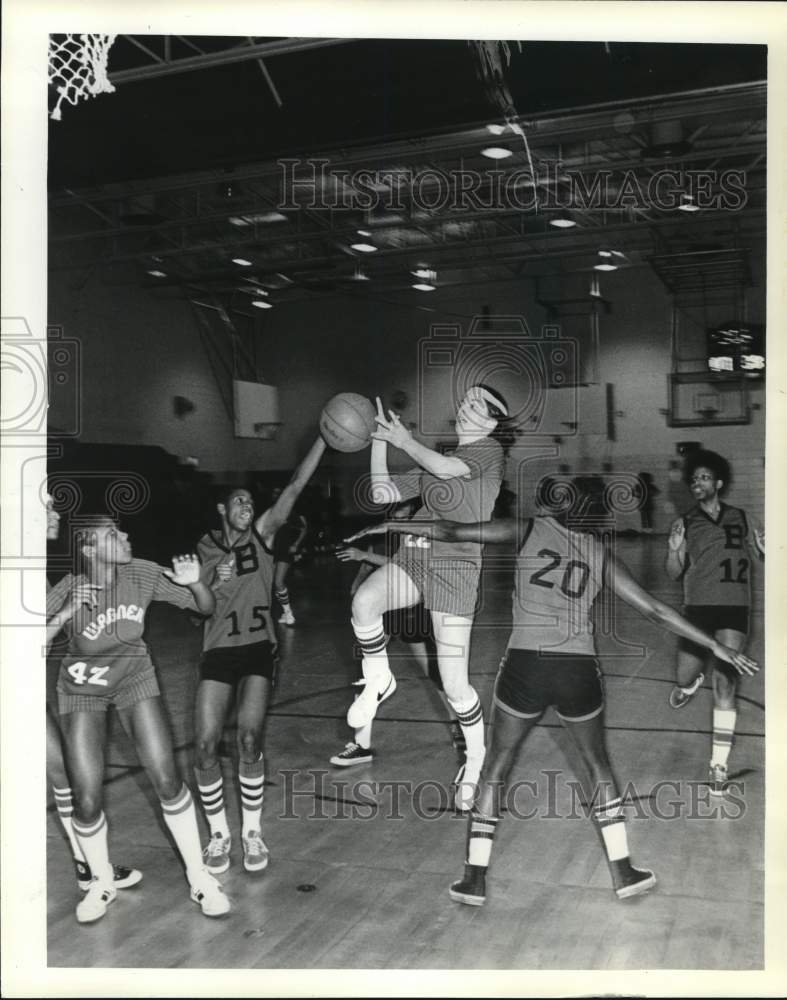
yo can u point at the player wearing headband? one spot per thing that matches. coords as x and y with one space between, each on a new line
462 485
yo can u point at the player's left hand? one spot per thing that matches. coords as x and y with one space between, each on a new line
391 430
743 664
185 570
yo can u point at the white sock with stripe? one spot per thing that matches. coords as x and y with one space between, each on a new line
210 785
181 819
92 839
373 641
64 802
480 838
470 717
252 782
723 734
612 824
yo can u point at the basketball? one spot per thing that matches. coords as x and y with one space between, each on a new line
347 422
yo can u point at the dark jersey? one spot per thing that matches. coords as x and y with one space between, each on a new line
718 557
105 644
467 499
558 576
242 614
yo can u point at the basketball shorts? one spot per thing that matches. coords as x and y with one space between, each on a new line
228 664
529 682
130 691
712 618
447 585
412 624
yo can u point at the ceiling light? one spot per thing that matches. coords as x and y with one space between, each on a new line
241 261
496 153
364 232
687 204
605 253
363 247
251 219
252 290
157 274
359 275
562 221
423 287
262 304
424 272
496 129
605 267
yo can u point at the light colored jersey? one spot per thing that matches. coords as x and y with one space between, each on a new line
242 616
105 644
718 558
559 573
467 499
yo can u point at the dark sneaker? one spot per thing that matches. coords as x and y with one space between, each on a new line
124 878
632 881
472 888
353 754
717 779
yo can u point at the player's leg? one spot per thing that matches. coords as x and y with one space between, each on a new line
452 638
213 701
253 698
587 736
419 635
387 589
147 723
282 594
508 730
85 734
690 662
725 687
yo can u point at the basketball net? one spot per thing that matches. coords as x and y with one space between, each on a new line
78 67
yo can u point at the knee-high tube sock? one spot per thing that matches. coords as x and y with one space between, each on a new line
252 782
64 802
181 819
210 785
283 597
612 825
93 841
480 836
471 718
723 733
373 641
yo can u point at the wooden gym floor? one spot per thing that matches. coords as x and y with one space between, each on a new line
355 882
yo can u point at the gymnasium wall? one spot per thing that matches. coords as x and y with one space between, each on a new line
139 350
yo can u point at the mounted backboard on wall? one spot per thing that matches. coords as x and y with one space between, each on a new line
697 399
256 408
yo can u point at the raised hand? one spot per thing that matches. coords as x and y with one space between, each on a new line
83 593
185 570
743 664
392 429
373 529
677 535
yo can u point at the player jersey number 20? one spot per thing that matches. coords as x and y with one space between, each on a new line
571 578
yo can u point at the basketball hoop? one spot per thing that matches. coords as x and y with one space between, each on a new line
78 67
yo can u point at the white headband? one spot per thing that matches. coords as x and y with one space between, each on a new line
490 397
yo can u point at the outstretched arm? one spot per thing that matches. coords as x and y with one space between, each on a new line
269 522
507 529
626 587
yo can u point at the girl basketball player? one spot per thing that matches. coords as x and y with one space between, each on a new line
123 878
445 574
551 660
107 663
238 660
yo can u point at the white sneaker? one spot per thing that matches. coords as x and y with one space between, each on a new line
217 854
94 903
466 782
365 706
255 852
207 891
288 618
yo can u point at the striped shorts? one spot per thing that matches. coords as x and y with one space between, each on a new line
138 687
447 585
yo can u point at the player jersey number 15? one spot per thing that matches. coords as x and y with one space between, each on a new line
257 614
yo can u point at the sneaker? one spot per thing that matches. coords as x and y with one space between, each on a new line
124 878
217 854
353 754
633 882
472 888
717 779
207 891
466 782
288 618
94 903
255 853
365 706
458 738
678 696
